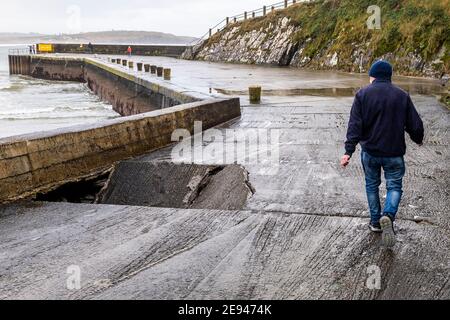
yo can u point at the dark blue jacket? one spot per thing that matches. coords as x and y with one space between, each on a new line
380 115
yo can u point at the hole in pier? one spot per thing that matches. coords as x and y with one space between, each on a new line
84 191
161 184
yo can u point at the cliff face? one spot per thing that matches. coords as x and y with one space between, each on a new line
333 34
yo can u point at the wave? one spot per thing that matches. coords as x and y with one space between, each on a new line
98 117
97 110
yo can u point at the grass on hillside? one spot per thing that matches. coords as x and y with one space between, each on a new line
408 26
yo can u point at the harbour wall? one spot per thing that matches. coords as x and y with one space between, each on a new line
173 51
127 92
41 162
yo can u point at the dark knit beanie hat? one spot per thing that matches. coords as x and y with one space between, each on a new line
381 69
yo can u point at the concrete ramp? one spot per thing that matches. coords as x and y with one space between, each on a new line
169 185
125 252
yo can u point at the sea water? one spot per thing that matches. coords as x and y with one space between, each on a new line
32 105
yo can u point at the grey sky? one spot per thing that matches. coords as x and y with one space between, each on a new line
181 17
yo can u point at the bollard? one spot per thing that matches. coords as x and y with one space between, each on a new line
10 64
147 67
139 66
264 10
153 69
255 94
245 15
285 3
16 65
167 74
228 20
131 64
124 62
119 61
19 59
159 71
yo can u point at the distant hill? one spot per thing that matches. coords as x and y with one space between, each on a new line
123 37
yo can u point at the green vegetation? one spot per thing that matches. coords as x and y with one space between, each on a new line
408 28
445 99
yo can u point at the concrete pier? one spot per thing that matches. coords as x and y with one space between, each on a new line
192 227
174 51
41 162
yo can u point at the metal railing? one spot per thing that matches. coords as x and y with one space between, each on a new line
20 51
247 15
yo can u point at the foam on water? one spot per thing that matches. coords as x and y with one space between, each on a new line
28 105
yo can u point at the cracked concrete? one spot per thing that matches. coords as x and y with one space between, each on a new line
127 252
301 235
165 184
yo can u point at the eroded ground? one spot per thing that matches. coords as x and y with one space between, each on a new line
301 232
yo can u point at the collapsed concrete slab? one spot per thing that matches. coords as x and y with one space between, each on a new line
125 252
165 184
41 162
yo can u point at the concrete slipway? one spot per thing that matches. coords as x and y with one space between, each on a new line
301 234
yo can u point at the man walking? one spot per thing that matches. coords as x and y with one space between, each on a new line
380 115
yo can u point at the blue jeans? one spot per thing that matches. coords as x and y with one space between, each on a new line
394 171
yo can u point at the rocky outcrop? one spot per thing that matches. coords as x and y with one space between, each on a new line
269 45
273 40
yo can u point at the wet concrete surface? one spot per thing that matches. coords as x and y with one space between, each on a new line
301 235
278 83
126 252
308 179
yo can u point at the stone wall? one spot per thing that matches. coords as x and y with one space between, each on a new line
59 69
129 94
141 50
44 161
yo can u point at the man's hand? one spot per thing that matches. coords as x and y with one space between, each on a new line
345 161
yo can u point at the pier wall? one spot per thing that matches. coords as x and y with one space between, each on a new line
129 94
173 51
41 162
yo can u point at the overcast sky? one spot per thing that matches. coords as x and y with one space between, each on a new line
180 17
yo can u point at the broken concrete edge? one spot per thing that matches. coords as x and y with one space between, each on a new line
41 162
